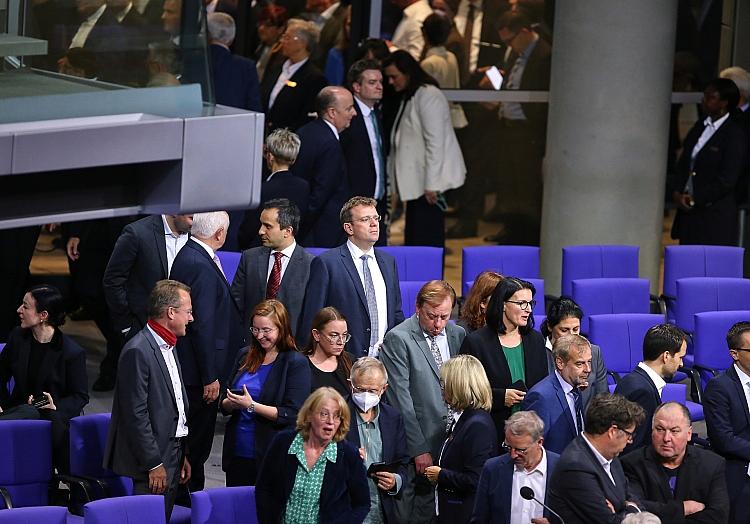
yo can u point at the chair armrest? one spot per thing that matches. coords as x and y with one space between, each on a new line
93 481
615 375
5 494
696 392
698 441
78 481
660 304
699 367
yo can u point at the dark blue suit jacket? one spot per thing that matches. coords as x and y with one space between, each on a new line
360 164
638 387
236 81
492 505
321 163
344 495
296 100
728 424
393 435
334 281
215 335
547 399
472 442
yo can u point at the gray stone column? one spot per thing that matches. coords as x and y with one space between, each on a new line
607 130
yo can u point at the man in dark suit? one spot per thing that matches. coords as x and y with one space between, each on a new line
363 142
374 422
561 398
288 92
143 254
279 269
147 435
664 346
527 463
588 485
694 488
235 77
282 148
213 340
366 291
413 353
321 163
727 410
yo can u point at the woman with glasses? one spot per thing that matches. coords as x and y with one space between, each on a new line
329 364
268 386
511 351
291 487
472 439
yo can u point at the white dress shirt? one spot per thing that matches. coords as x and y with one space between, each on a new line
522 510
174 242
603 462
708 132
568 390
79 40
287 72
654 376
408 33
332 127
167 352
514 110
287 252
375 146
745 381
476 33
442 344
380 292
122 14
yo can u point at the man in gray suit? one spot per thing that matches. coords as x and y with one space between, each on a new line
413 353
279 269
148 431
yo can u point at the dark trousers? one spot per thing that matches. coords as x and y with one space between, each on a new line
173 465
201 421
241 471
417 502
425 224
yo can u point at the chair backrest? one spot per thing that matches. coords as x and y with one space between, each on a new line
234 505
39 514
26 464
88 438
126 510
579 262
710 337
698 294
603 296
409 291
417 262
230 260
510 261
700 261
315 251
620 336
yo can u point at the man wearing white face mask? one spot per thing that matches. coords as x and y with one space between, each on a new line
378 431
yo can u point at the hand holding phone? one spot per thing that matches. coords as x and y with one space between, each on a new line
495 77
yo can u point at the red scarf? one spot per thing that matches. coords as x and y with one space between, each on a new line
165 334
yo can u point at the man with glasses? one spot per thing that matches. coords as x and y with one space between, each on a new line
664 346
526 463
588 485
727 409
358 280
673 480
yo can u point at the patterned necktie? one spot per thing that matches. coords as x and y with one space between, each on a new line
380 161
435 350
218 264
578 402
372 305
274 279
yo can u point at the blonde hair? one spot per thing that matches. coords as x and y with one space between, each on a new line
311 407
466 384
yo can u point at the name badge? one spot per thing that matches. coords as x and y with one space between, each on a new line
289 83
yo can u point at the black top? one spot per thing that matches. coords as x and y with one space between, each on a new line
37 352
332 379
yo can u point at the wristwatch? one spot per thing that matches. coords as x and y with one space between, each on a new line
251 407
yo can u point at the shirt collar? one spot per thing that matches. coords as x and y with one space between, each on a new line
363 108
333 128
530 49
96 14
290 68
413 9
548 343
205 246
122 14
427 335
356 252
374 420
717 124
287 251
599 457
539 468
567 388
439 51
167 230
159 341
744 107
744 378
297 448
654 376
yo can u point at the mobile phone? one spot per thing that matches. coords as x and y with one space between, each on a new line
237 391
39 401
495 76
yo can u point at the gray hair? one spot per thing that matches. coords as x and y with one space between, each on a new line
221 28
365 366
284 145
307 31
740 77
644 517
525 423
205 225
566 343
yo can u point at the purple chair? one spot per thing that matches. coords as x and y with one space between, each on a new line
409 291
224 506
699 294
229 262
26 466
315 251
516 261
417 262
579 262
126 510
710 352
604 296
677 392
35 515
698 261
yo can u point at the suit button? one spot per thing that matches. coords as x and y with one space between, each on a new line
368 330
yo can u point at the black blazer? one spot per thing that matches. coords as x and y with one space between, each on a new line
638 387
138 262
701 478
472 442
283 184
296 100
579 488
62 373
344 495
393 435
484 344
360 162
286 387
235 79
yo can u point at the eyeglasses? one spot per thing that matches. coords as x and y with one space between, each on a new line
188 311
341 338
509 448
328 416
374 391
266 331
367 219
525 305
742 349
630 434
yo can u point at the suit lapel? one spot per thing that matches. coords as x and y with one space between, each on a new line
262 269
162 365
346 258
563 403
385 271
507 480
454 345
161 243
418 336
739 391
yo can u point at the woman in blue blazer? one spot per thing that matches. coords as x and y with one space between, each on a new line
270 383
472 439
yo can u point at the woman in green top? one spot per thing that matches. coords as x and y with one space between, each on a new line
314 475
511 351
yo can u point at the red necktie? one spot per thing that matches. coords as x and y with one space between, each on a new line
274 280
